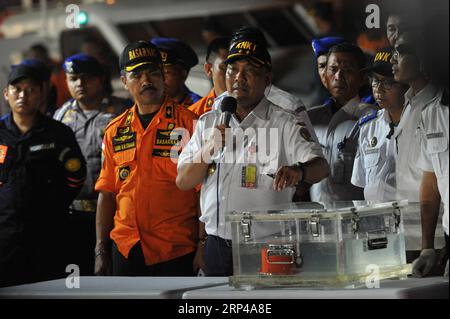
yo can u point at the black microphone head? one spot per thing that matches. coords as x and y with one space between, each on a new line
228 104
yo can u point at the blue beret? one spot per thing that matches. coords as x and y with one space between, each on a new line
323 45
82 63
43 70
175 51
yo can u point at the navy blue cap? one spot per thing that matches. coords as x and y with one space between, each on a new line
323 45
174 51
82 63
40 66
22 71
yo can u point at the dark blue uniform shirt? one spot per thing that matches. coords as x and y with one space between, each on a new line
41 172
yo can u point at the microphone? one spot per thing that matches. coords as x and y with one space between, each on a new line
228 107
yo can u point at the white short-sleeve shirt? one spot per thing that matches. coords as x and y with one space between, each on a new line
434 150
338 137
408 142
223 190
284 100
374 166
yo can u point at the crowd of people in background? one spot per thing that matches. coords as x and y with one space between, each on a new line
99 181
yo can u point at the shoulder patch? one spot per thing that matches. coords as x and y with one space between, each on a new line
61 112
368 117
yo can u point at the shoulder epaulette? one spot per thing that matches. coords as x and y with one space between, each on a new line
368 117
119 118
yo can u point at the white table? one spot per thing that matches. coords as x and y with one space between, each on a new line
114 287
434 287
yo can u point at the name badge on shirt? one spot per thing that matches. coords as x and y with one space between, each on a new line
164 138
42 147
371 151
434 135
124 142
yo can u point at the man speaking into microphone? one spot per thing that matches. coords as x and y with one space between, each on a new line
228 154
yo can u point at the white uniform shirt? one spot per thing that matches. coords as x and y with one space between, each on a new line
89 128
434 149
338 137
284 100
374 166
222 191
408 140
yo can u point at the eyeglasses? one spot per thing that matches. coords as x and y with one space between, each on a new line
385 84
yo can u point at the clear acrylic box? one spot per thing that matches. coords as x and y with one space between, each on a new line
318 245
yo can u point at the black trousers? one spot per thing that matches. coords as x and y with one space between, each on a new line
33 263
82 241
135 265
218 257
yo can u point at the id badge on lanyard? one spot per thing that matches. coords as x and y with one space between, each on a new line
338 167
249 175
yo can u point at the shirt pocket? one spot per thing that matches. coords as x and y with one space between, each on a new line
371 162
124 157
125 163
41 166
371 157
164 169
438 150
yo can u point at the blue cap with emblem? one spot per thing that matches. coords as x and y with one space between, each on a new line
174 51
323 45
82 63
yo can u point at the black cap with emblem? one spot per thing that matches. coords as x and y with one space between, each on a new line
139 53
381 63
249 43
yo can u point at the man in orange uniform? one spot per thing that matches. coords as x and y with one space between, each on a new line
214 67
152 223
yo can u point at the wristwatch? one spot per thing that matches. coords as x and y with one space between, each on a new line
302 168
